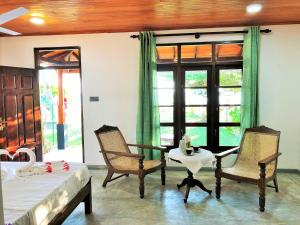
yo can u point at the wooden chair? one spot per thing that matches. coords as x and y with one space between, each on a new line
256 161
119 159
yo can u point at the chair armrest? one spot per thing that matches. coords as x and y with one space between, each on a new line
126 154
269 159
226 153
163 149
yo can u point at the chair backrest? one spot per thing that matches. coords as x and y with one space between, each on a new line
111 139
259 143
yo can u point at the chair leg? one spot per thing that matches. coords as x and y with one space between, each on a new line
141 187
276 184
163 175
218 187
262 200
262 188
218 179
110 173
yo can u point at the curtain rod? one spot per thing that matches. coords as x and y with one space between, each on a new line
198 34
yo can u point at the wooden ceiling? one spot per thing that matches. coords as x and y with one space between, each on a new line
63 57
91 16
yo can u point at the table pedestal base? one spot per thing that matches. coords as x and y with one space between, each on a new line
191 182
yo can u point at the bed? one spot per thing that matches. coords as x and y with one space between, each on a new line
44 199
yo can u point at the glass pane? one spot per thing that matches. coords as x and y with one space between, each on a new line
166 136
165 96
229 96
195 96
230 114
166 54
196 53
229 52
195 114
198 135
61 57
165 79
196 78
230 136
231 77
166 114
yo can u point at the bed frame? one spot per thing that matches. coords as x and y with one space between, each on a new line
84 195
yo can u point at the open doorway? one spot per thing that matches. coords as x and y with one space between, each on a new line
61 103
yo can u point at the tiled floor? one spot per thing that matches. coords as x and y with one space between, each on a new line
119 204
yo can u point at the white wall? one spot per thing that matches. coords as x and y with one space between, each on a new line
279 89
110 71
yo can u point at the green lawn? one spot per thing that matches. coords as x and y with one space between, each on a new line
73 136
228 136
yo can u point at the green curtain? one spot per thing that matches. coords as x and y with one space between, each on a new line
249 104
148 124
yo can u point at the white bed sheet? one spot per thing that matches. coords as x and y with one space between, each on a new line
36 200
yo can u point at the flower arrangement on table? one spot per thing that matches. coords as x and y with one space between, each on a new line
185 145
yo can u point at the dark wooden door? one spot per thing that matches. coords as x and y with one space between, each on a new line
20 110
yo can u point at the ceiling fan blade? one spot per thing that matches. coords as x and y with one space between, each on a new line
5 17
7 31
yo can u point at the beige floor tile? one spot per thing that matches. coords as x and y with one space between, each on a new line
119 202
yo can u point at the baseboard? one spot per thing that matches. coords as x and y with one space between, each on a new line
288 171
181 168
96 167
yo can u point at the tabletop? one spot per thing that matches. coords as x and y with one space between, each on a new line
195 161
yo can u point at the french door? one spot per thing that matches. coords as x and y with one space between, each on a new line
228 106
194 82
202 102
183 101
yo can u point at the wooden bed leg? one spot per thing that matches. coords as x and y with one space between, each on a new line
88 200
84 195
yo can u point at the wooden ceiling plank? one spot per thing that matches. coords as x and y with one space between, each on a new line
75 17
60 54
59 63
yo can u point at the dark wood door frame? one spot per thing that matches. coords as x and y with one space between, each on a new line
37 68
213 68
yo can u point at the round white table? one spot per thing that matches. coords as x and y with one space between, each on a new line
193 163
